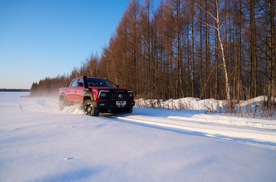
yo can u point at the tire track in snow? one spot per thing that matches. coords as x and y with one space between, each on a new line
235 122
243 134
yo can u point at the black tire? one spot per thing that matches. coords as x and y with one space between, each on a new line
62 103
88 108
129 110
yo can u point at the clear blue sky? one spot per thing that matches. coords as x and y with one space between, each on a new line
44 38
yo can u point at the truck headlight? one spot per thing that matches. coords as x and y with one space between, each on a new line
103 94
130 94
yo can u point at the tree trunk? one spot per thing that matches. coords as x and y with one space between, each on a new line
272 51
193 52
201 56
223 57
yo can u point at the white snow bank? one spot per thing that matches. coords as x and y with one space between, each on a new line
253 101
253 107
188 103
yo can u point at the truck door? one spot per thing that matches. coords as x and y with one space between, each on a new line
78 91
71 90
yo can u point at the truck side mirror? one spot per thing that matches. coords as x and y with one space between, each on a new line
117 86
79 84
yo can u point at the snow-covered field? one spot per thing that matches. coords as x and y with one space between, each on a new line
40 143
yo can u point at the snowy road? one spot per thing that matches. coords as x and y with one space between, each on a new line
40 143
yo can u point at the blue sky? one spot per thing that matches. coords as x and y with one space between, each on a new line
44 38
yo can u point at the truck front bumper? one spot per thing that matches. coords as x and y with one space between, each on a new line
112 106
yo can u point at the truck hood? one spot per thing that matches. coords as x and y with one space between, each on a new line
109 88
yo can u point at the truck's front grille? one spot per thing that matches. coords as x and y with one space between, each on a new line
119 97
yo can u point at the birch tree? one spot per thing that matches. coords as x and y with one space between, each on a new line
216 18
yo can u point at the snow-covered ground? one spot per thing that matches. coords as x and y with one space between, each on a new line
40 143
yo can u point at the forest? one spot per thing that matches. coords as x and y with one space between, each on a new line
221 49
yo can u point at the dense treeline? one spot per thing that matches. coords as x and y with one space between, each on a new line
14 90
187 48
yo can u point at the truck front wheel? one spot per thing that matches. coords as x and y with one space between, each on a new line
89 109
129 110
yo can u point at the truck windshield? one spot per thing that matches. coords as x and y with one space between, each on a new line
99 82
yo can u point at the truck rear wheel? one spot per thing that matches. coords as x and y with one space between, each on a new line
62 103
89 109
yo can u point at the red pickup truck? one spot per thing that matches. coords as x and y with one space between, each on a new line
96 95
